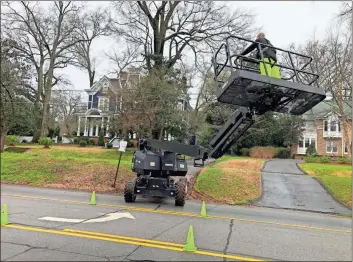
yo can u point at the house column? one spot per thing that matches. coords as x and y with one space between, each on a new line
106 133
97 129
78 126
85 132
91 128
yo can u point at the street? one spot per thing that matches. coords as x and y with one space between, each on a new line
157 231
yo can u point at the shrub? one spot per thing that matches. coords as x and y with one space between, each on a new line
283 152
109 145
76 140
101 139
91 142
311 150
83 143
262 152
245 151
344 160
24 141
11 140
325 159
311 159
45 141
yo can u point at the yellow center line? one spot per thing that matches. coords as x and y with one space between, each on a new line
170 212
125 240
124 237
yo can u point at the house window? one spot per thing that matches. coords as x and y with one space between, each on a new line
103 103
301 144
307 142
313 141
90 98
105 87
346 145
332 126
331 147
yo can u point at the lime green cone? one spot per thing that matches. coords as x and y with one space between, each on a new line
203 209
190 241
4 216
93 199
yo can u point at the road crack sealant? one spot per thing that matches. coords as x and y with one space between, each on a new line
228 238
30 248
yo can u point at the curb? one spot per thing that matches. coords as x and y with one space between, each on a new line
326 189
301 169
253 201
334 198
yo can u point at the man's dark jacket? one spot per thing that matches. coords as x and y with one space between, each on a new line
267 51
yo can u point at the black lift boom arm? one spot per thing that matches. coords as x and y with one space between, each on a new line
232 130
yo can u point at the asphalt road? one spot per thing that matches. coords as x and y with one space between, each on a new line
239 232
286 186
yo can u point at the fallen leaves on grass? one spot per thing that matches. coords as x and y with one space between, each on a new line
231 182
93 177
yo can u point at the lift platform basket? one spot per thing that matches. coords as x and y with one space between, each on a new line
241 82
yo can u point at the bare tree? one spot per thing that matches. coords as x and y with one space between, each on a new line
347 9
333 63
124 59
165 30
93 25
45 36
65 104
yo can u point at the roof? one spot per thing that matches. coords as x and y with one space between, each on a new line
130 76
325 108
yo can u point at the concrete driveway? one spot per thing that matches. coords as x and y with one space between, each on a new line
284 185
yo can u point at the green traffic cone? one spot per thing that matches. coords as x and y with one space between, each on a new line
203 209
93 199
4 216
190 242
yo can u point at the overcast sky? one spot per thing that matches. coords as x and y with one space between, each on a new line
283 23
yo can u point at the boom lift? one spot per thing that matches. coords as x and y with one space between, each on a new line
293 94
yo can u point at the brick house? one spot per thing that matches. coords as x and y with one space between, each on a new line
324 127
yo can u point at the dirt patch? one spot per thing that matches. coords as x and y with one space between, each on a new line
14 149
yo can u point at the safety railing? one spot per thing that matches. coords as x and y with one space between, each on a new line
242 62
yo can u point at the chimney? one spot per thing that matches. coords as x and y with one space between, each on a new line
123 75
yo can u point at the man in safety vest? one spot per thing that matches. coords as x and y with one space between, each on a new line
255 93
269 55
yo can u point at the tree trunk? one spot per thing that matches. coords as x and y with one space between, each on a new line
150 132
37 103
2 141
161 131
47 97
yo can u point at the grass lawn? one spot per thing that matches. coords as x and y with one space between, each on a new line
69 167
337 178
231 180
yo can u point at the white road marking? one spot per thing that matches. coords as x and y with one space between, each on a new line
58 219
108 217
